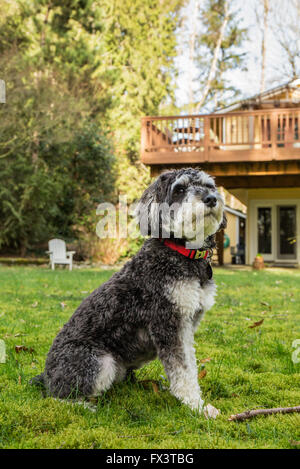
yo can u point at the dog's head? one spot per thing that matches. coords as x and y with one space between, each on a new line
182 204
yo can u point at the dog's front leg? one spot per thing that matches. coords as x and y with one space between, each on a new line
184 380
181 367
174 339
181 370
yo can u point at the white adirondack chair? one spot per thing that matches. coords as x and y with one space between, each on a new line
59 254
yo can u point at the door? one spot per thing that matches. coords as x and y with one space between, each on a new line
265 220
286 232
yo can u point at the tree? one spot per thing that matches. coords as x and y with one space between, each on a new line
218 46
263 45
121 53
140 40
55 164
80 73
286 31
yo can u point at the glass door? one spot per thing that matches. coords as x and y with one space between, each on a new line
264 230
286 230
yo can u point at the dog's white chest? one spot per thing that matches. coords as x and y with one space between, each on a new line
190 297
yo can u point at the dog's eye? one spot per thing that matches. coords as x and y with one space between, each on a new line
179 189
210 186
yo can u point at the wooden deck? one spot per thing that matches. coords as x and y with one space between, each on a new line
245 136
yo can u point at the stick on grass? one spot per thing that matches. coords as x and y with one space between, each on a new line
248 414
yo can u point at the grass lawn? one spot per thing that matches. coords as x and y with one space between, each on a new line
248 368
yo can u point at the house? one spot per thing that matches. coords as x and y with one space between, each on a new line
234 237
252 148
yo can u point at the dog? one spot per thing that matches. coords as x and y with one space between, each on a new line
151 307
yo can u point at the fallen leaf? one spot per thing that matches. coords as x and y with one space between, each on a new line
93 399
19 380
22 348
210 412
205 360
264 303
295 443
256 324
63 305
202 374
155 387
147 382
34 305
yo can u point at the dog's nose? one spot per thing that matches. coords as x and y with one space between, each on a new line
210 200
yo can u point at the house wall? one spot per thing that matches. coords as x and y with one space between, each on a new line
232 232
268 197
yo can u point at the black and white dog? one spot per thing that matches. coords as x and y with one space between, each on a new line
151 308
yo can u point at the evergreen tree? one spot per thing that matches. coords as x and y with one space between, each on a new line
55 166
140 40
79 73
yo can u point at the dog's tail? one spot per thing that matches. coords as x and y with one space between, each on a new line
38 381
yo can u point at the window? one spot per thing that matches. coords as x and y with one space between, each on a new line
264 227
287 232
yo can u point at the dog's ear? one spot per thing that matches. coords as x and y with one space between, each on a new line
223 223
147 212
163 183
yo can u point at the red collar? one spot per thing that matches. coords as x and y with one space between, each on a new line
190 253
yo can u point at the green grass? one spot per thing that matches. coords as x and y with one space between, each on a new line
249 368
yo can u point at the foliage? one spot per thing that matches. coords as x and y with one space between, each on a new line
79 74
248 368
55 163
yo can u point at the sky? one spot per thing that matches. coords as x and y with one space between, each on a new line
247 81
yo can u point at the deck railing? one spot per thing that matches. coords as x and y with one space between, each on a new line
239 136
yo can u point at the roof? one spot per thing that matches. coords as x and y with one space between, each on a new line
291 85
238 213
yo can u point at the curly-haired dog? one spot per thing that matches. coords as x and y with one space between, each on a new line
151 308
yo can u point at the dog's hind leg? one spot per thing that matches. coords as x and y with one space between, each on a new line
109 372
38 381
73 370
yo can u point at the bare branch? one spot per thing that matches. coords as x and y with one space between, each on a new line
213 67
248 414
263 46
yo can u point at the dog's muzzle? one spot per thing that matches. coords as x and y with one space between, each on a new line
210 200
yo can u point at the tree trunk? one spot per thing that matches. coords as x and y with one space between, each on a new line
263 46
214 62
23 249
220 246
192 41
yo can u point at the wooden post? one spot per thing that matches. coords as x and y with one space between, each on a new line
220 247
144 136
274 130
206 137
2 91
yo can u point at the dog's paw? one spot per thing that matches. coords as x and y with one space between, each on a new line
210 412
